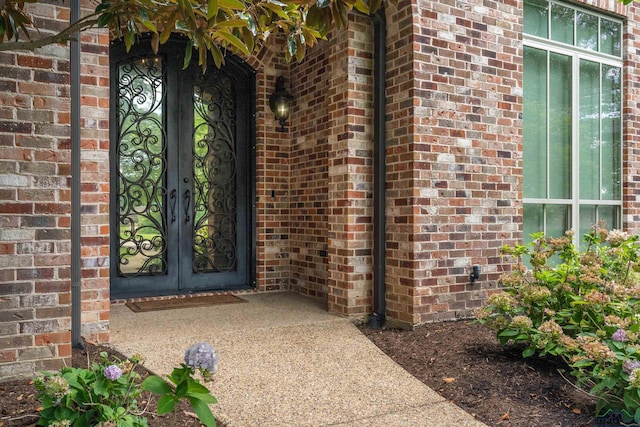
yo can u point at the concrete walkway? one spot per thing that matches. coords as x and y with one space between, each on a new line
285 361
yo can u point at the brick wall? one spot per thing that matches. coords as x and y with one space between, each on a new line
94 242
351 173
272 174
35 199
453 153
309 170
331 171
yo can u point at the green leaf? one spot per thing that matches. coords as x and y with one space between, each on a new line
102 6
202 57
203 412
218 58
231 4
99 387
361 6
233 41
509 333
247 35
301 51
181 389
582 363
156 385
212 9
187 54
236 23
166 404
104 19
195 387
183 26
129 39
528 352
150 26
205 397
630 401
277 10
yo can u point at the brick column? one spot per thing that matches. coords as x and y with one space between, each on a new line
454 153
351 171
35 205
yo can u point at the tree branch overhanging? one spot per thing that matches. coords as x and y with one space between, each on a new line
61 37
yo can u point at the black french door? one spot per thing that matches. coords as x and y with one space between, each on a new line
182 174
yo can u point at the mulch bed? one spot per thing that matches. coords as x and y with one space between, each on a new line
464 362
460 360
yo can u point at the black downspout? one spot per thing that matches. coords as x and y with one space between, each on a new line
76 290
377 318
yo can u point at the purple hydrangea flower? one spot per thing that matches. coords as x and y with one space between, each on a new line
620 335
202 356
112 372
630 365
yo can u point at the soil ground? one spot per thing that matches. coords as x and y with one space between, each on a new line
465 363
460 360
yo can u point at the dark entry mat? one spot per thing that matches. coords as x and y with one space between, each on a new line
188 302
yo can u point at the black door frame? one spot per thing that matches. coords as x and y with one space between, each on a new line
169 284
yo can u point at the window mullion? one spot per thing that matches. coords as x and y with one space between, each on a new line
575 147
547 107
600 133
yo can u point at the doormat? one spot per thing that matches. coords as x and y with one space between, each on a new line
189 302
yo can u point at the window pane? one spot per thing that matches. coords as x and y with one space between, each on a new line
589 130
560 125
586 31
610 37
141 168
562 24
532 221
535 123
587 219
557 220
611 216
535 17
611 137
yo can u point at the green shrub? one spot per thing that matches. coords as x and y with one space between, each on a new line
105 394
579 306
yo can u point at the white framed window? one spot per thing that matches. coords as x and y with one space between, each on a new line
572 119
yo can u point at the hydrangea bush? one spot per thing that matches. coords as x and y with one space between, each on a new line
106 393
103 394
581 306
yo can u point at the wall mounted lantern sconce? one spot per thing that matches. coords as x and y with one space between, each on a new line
475 273
280 102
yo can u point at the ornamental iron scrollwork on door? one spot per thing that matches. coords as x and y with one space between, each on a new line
214 174
141 168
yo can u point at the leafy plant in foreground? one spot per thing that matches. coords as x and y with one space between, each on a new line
200 357
103 394
580 306
106 393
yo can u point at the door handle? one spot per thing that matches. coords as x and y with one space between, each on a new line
173 197
187 202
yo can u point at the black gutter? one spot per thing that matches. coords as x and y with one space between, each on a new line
377 318
76 260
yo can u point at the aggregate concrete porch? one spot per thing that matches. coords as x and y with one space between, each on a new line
285 361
